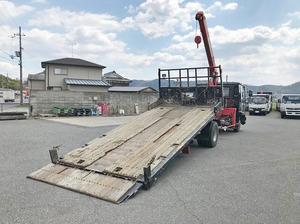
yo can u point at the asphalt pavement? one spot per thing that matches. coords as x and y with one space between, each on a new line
252 176
14 106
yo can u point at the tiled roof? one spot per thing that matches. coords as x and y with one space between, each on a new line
115 76
86 82
72 61
38 76
131 89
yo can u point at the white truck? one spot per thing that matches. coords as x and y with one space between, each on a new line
260 104
9 95
278 102
290 105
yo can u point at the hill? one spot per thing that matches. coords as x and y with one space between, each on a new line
294 88
151 83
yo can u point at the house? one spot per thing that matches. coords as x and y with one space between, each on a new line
69 74
133 89
115 79
37 81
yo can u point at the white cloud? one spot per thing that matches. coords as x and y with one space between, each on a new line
295 14
219 6
39 1
56 17
214 6
130 9
9 9
158 58
220 35
230 6
284 35
159 18
288 23
11 69
269 65
257 55
94 34
288 35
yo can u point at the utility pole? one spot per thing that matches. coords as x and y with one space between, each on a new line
7 82
72 49
19 54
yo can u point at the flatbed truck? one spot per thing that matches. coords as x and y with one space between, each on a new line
115 166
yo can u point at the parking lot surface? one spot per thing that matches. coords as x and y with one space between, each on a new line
252 176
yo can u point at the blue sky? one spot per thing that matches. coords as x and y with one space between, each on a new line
255 41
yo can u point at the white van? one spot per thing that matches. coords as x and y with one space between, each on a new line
290 105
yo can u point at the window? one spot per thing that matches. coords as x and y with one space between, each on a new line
291 99
60 71
257 100
226 91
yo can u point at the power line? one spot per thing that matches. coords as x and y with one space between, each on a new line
32 60
9 60
11 56
4 26
11 17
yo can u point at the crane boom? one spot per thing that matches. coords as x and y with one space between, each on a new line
209 52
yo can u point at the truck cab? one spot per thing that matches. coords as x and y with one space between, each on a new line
290 105
235 101
260 104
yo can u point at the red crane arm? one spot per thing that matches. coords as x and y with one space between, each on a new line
209 52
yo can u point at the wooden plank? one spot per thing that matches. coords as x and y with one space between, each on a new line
124 152
99 147
177 141
93 184
133 166
138 143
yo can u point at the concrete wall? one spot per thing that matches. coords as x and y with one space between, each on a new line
42 101
87 88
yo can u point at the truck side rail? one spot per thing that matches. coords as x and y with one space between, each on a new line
190 86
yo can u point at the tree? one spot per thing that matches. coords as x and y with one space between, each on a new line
6 82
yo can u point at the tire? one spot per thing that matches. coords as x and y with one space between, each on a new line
209 135
237 127
243 119
283 115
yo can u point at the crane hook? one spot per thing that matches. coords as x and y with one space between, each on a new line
197 40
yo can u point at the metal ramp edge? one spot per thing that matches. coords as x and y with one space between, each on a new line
98 185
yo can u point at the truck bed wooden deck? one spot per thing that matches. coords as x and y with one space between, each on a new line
112 167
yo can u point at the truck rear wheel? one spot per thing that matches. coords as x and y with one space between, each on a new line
237 127
209 135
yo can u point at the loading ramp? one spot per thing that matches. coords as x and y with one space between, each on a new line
115 166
